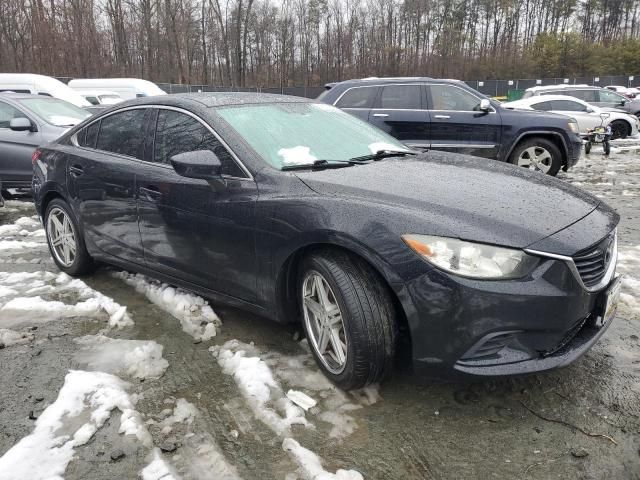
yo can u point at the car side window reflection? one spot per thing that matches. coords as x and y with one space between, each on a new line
567 106
362 97
123 133
179 133
8 113
445 97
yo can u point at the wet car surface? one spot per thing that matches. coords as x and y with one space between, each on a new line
579 422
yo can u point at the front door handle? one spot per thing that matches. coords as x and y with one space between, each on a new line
76 170
150 192
380 114
442 116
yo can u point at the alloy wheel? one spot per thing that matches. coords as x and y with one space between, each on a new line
536 158
61 236
324 322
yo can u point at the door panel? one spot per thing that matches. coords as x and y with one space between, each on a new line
16 148
399 112
195 230
102 183
457 124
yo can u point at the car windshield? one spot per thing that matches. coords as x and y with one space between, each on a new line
55 111
286 134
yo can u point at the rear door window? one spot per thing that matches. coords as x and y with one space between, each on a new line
401 97
585 95
611 97
544 106
360 97
8 113
177 133
123 133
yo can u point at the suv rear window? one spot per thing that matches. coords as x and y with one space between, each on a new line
359 97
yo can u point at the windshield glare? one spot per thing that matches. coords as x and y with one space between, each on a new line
287 134
55 111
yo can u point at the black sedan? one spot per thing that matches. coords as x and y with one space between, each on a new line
298 211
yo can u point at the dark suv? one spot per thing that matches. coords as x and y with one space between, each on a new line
426 113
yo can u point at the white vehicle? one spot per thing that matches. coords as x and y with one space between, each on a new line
40 85
101 97
127 88
627 92
588 116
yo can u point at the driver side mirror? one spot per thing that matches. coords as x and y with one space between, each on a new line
485 105
21 124
201 164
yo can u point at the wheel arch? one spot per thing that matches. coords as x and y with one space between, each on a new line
287 302
555 137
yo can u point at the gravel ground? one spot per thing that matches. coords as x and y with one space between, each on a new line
197 405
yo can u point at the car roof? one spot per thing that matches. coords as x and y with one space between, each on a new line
20 96
381 80
217 99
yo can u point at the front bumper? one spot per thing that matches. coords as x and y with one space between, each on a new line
461 327
575 150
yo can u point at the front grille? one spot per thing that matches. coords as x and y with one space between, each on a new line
592 263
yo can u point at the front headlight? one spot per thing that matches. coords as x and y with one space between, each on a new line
474 260
573 125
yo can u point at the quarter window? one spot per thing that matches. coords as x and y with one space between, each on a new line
8 113
400 97
361 97
179 133
445 97
87 138
123 133
567 106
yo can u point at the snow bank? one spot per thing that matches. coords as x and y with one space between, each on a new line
135 358
46 452
196 317
629 265
158 469
257 384
10 337
311 465
29 306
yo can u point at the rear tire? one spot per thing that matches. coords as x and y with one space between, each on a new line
619 129
65 240
356 295
537 154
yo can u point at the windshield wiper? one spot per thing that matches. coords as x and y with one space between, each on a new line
380 154
321 164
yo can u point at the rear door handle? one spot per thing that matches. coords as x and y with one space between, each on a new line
76 170
442 116
380 114
150 192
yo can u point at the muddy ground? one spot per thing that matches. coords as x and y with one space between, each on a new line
581 422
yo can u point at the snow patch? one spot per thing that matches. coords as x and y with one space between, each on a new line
158 469
45 453
10 337
135 358
296 156
196 316
629 266
310 464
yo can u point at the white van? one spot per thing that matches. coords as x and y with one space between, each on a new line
40 85
127 88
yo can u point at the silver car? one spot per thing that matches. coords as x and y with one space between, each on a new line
27 121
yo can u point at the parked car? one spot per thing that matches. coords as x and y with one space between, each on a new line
101 97
297 211
27 121
448 115
600 97
40 85
627 92
127 88
588 116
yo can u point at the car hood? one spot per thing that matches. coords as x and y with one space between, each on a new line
460 196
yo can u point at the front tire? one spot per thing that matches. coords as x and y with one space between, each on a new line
537 154
65 242
348 317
